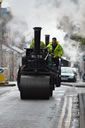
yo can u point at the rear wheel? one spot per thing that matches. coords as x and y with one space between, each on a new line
58 78
52 82
58 81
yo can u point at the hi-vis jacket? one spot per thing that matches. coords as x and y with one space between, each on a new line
58 51
42 45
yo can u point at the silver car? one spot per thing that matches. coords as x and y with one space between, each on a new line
67 74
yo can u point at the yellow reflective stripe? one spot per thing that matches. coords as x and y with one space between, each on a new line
60 54
59 49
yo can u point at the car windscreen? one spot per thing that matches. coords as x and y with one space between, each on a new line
66 70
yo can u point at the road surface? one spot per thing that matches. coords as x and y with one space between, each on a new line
60 111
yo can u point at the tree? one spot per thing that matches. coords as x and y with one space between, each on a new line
79 39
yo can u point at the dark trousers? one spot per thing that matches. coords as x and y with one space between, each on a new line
56 61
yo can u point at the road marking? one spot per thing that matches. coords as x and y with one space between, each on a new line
69 115
63 113
68 119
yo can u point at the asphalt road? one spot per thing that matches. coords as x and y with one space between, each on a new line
57 112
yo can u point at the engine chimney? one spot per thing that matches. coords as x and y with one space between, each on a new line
47 38
37 34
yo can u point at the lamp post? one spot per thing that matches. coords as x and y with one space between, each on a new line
1 54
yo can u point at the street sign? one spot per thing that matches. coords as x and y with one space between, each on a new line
83 57
1 71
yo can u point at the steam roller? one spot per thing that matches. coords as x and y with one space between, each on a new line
36 77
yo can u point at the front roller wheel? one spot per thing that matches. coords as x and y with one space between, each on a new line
32 87
25 96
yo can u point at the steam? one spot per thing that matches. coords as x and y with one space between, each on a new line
40 13
72 21
16 32
56 17
72 18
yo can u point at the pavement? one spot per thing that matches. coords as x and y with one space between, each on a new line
81 96
75 84
82 109
10 83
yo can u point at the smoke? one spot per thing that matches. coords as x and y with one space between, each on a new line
56 17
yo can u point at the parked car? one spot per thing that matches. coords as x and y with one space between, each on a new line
68 74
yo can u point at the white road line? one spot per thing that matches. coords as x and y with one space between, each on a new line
62 114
